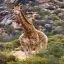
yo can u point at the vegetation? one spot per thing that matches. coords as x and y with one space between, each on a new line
53 55
9 46
55 51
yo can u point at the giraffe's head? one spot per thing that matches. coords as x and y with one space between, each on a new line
16 9
16 12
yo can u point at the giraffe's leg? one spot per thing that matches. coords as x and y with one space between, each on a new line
23 48
26 50
29 52
26 53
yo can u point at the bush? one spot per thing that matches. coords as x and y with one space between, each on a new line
11 58
56 49
3 59
54 17
6 58
56 38
11 45
41 12
8 45
14 62
52 59
54 52
35 60
61 61
15 43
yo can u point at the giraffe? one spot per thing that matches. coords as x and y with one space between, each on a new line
32 39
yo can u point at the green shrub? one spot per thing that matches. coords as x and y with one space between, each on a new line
54 17
61 61
8 45
12 62
16 43
11 58
3 59
11 45
52 59
36 60
56 38
54 52
41 12
56 49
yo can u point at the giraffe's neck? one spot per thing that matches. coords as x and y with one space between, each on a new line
29 28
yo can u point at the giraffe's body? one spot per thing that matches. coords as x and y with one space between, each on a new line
35 44
32 39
